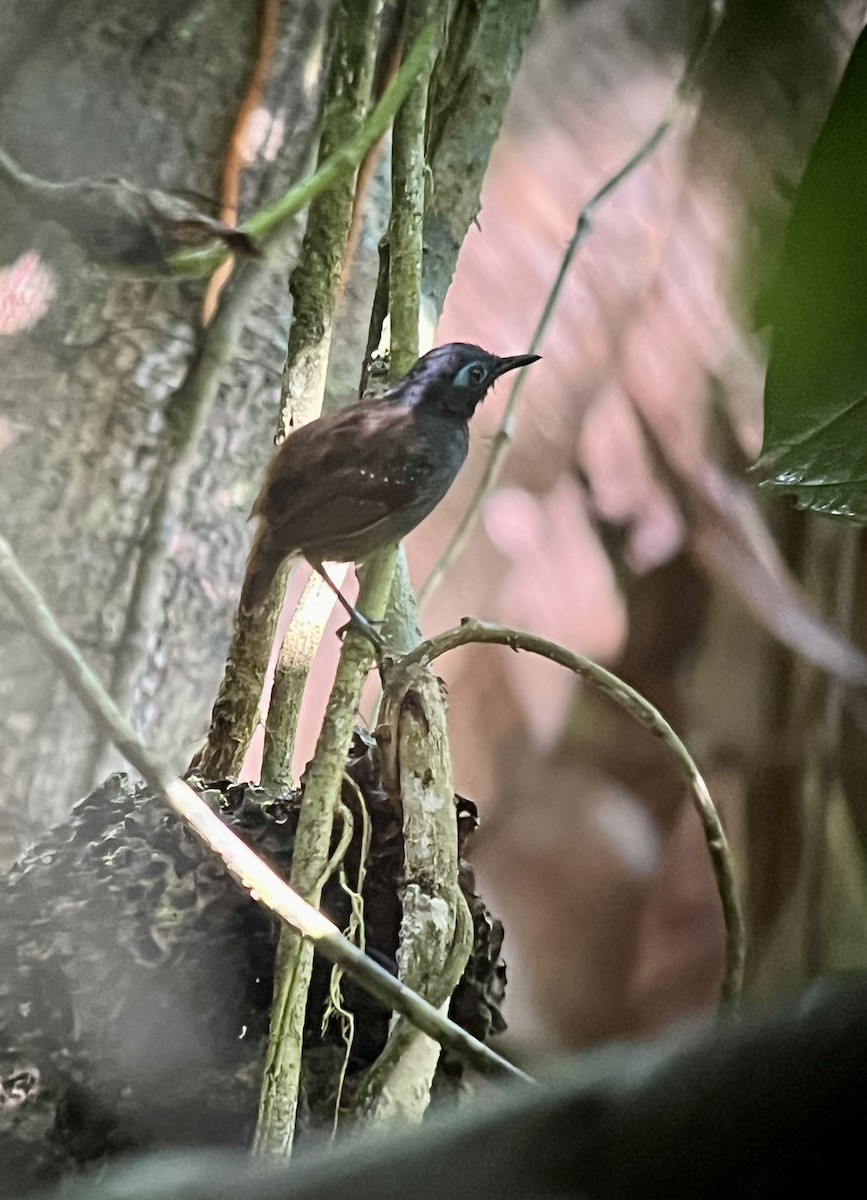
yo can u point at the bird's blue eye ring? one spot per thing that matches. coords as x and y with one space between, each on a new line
471 375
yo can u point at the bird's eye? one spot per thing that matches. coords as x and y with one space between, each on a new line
471 376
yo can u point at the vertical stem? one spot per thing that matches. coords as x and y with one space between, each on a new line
236 709
405 234
407 203
279 1101
436 934
315 282
314 285
290 675
433 950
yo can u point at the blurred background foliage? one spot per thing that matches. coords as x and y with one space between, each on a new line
627 524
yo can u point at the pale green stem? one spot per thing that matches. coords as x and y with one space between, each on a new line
268 223
310 859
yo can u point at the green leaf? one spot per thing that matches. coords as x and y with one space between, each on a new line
815 443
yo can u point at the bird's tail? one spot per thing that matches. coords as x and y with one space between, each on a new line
262 565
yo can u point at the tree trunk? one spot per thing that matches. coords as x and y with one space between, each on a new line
114 489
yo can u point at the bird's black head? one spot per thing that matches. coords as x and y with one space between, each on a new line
454 378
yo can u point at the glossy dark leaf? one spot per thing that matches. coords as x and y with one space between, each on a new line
816 393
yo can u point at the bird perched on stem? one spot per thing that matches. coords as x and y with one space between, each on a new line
354 481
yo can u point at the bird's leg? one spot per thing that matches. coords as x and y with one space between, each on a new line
356 619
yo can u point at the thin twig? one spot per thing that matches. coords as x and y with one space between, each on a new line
583 228
236 159
644 712
268 223
242 863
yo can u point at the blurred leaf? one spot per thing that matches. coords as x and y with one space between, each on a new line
763 1110
816 391
728 536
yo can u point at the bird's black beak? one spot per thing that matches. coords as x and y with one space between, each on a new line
513 363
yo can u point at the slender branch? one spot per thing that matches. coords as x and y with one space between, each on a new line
315 281
268 224
118 223
583 228
235 162
407 196
315 285
405 249
436 930
236 709
242 863
401 267
315 288
324 776
432 953
290 676
310 858
395 673
28 186
405 236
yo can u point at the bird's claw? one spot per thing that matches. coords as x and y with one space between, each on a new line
363 626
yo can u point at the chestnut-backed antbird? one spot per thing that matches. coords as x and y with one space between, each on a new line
354 481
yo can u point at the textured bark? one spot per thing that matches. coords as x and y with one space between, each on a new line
149 92
315 294
469 91
435 933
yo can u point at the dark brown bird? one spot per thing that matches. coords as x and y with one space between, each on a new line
354 481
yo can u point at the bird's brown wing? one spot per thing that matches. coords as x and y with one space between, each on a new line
339 477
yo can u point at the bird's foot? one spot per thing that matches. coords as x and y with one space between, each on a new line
357 620
366 628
